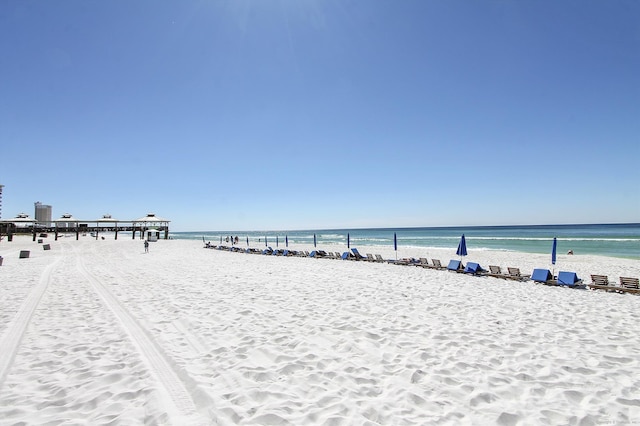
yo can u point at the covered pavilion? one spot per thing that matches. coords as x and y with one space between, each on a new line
153 224
68 223
22 221
105 220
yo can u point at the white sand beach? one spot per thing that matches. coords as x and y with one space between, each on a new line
99 332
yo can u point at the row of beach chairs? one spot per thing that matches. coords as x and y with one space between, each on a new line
541 276
626 284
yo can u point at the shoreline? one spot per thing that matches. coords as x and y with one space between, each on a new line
583 264
100 332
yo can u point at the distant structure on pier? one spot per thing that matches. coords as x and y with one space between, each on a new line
43 213
1 186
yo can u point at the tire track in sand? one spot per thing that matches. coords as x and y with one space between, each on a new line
12 337
181 409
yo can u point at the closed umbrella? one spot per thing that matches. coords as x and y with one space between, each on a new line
348 240
286 240
276 241
462 247
553 253
247 241
314 240
265 241
395 244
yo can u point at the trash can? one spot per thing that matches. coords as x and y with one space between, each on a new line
10 237
24 254
46 247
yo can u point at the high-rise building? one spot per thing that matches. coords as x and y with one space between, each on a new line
43 213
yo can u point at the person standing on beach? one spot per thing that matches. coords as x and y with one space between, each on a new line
146 246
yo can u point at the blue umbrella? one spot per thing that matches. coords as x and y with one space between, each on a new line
395 244
286 240
314 240
348 240
462 247
553 251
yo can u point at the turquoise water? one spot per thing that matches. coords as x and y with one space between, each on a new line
616 240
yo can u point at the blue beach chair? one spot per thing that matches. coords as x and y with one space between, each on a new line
543 276
473 268
455 265
569 279
357 254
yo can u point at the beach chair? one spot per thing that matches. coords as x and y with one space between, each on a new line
543 276
601 282
569 279
357 255
496 272
379 258
337 255
436 264
346 256
370 257
629 285
455 266
473 269
406 261
514 274
424 262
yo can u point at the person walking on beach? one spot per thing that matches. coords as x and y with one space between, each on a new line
146 246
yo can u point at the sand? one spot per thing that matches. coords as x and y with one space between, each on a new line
99 332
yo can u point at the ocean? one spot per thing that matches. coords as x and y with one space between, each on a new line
615 240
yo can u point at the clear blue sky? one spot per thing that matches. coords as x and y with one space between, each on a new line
298 114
